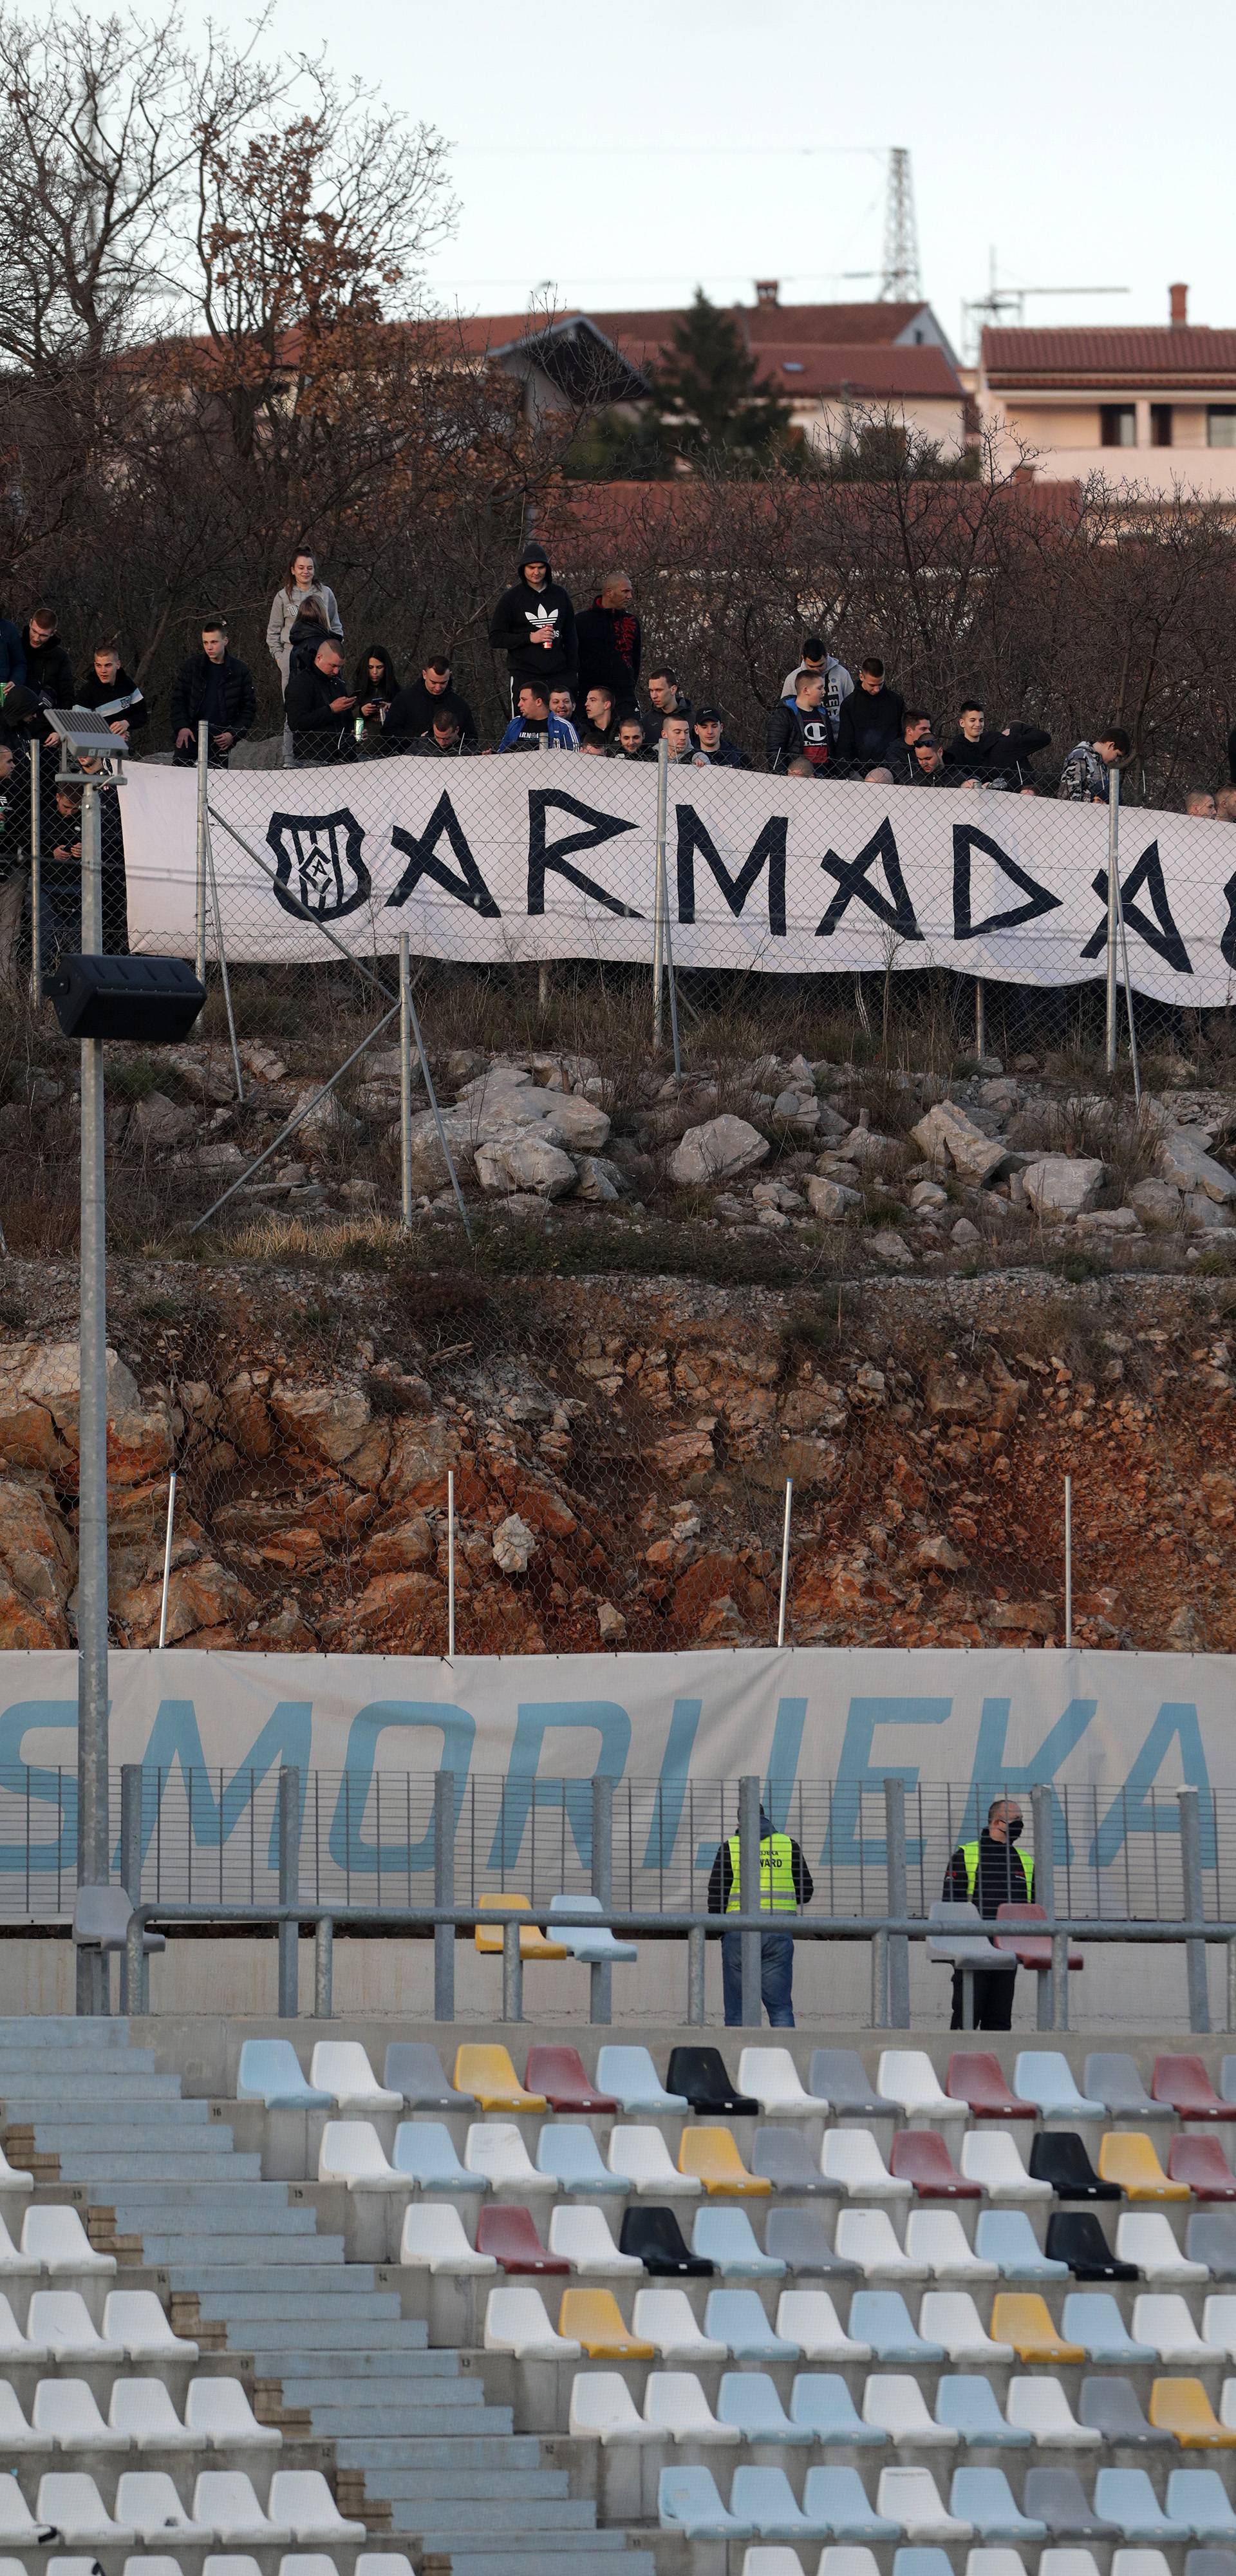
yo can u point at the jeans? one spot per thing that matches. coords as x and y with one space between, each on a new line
776 1977
993 1999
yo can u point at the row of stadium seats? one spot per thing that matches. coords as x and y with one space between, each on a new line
848 2559
807 2327
64 2416
59 2327
908 2505
368 2562
822 2414
148 2506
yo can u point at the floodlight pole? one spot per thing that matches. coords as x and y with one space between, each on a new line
93 1840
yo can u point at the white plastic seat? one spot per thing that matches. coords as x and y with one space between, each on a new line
382 2562
66 2412
865 2237
496 2149
665 2317
14 2345
219 2416
772 2078
675 2405
582 2236
951 2318
301 2502
1144 2237
147 2501
151 2563
13 2263
434 2239
70 2501
11 2176
224 2563
516 2321
134 2323
1062 2562
56 2240
847 2558
307 2562
1040 2407
990 2158
1219 2322
911 2497
771 2558
59 2322
852 2158
341 2068
603 2410
809 2319
642 2158
907 2076
17 2435
142 2410
224 2502
895 2402
938 2243
1162 2320
994 2560
17 2523
351 2152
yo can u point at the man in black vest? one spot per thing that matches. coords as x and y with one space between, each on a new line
990 1873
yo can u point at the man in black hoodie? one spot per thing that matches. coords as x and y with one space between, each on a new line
216 687
610 641
49 672
413 708
108 692
978 752
870 721
534 625
318 711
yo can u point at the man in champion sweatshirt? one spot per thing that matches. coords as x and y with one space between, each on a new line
534 625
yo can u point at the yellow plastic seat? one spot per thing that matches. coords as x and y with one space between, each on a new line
712 2156
1182 2407
1023 2318
485 2070
532 1941
1130 2157
594 2319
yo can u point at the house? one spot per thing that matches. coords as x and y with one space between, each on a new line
1151 405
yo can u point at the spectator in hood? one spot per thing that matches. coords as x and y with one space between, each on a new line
216 688
61 875
414 706
534 625
632 746
899 758
1086 775
927 765
676 736
870 720
319 710
977 752
444 740
375 687
800 728
610 641
712 746
49 672
108 691
667 700
534 728
819 664
599 730
300 584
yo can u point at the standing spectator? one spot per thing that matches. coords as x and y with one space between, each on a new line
786 1886
819 664
60 876
632 746
610 641
871 718
800 727
1225 805
318 710
49 672
990 1872
1199 801
375 688
1086 775
14 844
899 758
713 749
108 691
215 687
562 705
534 728
667 700
599 730
301 584
415 705
444 741
534 625
676 736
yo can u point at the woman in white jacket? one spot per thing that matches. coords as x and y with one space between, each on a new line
302 583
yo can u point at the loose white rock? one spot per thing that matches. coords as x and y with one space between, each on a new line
1183 1160
718 1151
949 1138
1061 1185
525 1162
831 1200
891 1247
513 1545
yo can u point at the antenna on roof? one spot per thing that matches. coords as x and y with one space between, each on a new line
899 277
1002 303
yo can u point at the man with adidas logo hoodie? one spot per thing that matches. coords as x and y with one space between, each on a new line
534 625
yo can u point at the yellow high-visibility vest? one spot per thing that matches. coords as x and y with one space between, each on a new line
776 1875
970 1855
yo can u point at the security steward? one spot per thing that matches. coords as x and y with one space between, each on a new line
989 1873
786 1884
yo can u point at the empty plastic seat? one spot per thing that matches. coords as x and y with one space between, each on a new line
16 2346
1041 2409
881 2319
1183 2083
772 2078
12 2260
341 2068
1139 2562
59 2322
1129 2159
595 1944
301 2502
1201 2165
515 2321
837 2076
1219 2322
821 2404
1182 2407
976 2079
583 2237
56 2240
351 2152
1210 2562
666 2319
1113 2407
728 2239
507 2232
602 2409
764 2498
413 2069
1092 2319
1058 2157
771 2558
1111 2076
836 2498
990 2157
218 2414
866 2238
270 2071
1055 2497
495 2148
809 2319
748 2403
70 2501
984 2499
567 2151
559 2075
1144 2239
783 2157
911 2499
1126 2498
1227 2079
1044 2076
533 1942
1161 2318
424 2155
921 2158
484 2069
1022 2318
643 2160
969 2404
996 2561
434 2239
593 2319
737 2319
712 2156
17 2523
906 2076
675 2404
851 2158
702 2076
147 2503
65 2412
656 2237
629 2074
687 2501
1006 2239
937 2241
1210 2238
950 2318
1197 2498
1076 2238
920 2559
15 2433
959 1940
895 2402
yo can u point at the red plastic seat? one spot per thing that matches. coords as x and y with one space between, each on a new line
509 2233
1202 2164
1184 2082
559 2074
1030 1949
975 2078
921 2157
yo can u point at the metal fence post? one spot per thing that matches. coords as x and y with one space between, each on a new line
444 1894
1043 1824
879 1979
696 1956
132 1998
1231 1985
36 873
323 1969
289 1891
785 1559
658 899
749 1894
1194 1906
601 1974
93 1835
512 1972
897 1900
980 1019
405 1081
1113 908
203 826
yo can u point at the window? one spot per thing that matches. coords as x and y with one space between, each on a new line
1117 425
1160 424
1221 425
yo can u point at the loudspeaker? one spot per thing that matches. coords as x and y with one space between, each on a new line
152 1000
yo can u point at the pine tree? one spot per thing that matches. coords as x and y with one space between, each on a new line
706 385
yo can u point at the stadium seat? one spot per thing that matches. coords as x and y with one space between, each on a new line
1198 2499
1022 2318
1162 2320
950 2318
1144 2239
837 2498
1218 2322
1184 2085
1058 2157
866 2238
895 2402
1044 2076
134 2323
558 2073
809 2319
629 2074
495 2148
837 2076
484 2069
142 2410
71 2503
413 2069
341 2068
515 2321
984 2499
976 2079
1210 2562
506 2233
1055 2497
911 2499
60 2323
666 2319
728 2239
1129 2159
1126 2498
603 2410
1139 2562
906 2076
56 2240
655 2236
921 2158
821 2404
351 2152
937 2242
1006 2240
147 2503
675 2405
1227 2079
17 2524
567 2151
16 2346
920 2559
533 1942
1182 2407
1200 2164
765 2498
799 2239
851 2158
15 2433
217 2414
13 2263
970 2405
995 2561
771 2558
584 2238
301 2502
1040 2408
846 2559
434 2239
11 2176
701 2075
1227 2404
990 2158
1092 2319
737 2319
1018 1932
687 2501
1114 2409
1075 2237
593 2319
642 2159
1210 2238
1112 2077
881 2319
65 2413
597 1946
771 2076
424 2155
712 2157
748 2403
270 2071
784 2159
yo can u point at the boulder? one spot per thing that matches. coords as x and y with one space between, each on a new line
890 1246
871 1151
830 1201
38 1552
611 1626
525 1162
1182 1159
161 1123
1157 1203
334 1423
577 1124
514 1545
245 1418
427 1160
940 1553
926 1195
599 1181
947 1137
717 1151
1062 1185
422 1453
963 1235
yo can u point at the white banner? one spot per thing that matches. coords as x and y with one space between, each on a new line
546 855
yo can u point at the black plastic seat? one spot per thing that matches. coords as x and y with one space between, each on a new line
1057 2156
655 2235
700 2073
1112 2407
1075 2237
1057 2497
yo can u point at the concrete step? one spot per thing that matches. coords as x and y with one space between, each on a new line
218 2268
111 2168
36 2090
304 2308
472 2517
383 2337
237 2207
533 2562
415 2491
150 2126
18 2029
468 2449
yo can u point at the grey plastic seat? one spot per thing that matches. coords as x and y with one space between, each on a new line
836 2498
1111 2077
568 2150
270 2071
413 2067
960 1941
1126 2498
1055 2497
424 2153
726 2237
1113 2407
985 2498
799 2239
917 2558
969 2403
1210 2562
631 2077
1007 2239
1227 2080
881 2318
765 2499
839 2078
821 2402
781 2156
1198 2499
1210 2238
748 2400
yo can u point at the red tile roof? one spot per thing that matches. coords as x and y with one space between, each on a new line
874 373
644 336
1109 357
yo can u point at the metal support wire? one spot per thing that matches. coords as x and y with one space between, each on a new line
167 1556
785 1559
296 1120
221 957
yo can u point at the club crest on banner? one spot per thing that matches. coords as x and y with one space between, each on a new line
320 871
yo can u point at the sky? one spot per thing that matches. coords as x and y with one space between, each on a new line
624 155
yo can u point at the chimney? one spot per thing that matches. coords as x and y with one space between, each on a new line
768 290
1178 305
